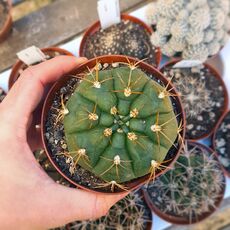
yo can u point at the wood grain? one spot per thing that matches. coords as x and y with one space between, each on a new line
52 25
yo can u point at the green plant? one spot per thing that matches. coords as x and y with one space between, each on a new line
131 213
192 29
192 187
119 124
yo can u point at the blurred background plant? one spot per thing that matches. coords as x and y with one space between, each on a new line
191 29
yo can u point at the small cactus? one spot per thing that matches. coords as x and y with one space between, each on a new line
131 213
192 188
117 123
203 27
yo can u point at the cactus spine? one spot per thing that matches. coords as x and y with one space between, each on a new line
192 187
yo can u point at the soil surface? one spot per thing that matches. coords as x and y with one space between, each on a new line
222 142
202 95
125 38
56 142
4 9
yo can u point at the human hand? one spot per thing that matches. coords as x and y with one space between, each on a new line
29 198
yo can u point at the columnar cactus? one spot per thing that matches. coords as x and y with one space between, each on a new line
192 187
193 29
119 124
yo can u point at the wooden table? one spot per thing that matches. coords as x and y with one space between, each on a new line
53 25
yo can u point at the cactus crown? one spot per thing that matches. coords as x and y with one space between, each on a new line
117 122
192 187
130 213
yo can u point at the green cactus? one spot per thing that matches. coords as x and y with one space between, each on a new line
119 123
192 187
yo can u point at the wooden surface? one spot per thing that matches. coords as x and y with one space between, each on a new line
53 25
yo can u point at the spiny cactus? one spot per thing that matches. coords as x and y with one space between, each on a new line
131 213
192 187
202 26
203 97
119 124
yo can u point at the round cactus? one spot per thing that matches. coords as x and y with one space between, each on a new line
192 189
119 124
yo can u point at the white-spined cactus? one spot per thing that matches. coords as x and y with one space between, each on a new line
192 29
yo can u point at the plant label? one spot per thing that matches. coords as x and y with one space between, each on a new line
187 64
31 55
109 12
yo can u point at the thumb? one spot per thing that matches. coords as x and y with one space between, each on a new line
64 205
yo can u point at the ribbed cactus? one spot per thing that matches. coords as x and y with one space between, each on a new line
192 187
119 124
199 26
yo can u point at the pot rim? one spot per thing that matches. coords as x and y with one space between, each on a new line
226 95
136 183
8 23
227 173
17 66
180 220
96 26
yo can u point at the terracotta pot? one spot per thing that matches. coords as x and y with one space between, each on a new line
219 78
227 173
19 65
5 30
96 26
180 220
91 63
15 74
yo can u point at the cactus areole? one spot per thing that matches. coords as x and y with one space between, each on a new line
119 123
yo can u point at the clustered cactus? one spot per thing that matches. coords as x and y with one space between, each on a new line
193 29
131 213
119 124
192 187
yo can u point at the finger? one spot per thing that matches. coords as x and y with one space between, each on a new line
28 90
68 205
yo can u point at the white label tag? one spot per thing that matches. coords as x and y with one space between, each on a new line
187 64
108 12
31 55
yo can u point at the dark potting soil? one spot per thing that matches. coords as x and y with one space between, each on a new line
2 94
56 142
202 95
131 213
126 38
222 142
46 165
4 9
